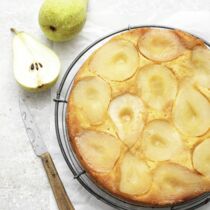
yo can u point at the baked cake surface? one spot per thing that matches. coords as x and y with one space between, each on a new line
138 116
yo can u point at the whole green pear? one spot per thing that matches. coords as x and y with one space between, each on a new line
61 20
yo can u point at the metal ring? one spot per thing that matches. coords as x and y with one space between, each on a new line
60 100
78 175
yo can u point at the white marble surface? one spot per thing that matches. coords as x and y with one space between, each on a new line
23 183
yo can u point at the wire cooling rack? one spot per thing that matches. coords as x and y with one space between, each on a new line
62 135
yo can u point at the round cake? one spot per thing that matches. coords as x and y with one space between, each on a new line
138 116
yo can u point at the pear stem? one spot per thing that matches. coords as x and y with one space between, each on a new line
13 30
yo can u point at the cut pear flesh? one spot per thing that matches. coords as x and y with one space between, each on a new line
191 112
175 181
156 85
201 157
135 177
117 60
160 141
35 65
126 113
159 45
92 96
99 150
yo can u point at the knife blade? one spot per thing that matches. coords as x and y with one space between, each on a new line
40 149
32 130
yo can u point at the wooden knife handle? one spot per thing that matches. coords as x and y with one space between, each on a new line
60 194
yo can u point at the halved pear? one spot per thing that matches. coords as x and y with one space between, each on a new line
191 112
160 141
126 113
156 85
92 96
36 67
176 182
160 45
98 150
135 176
201 157
117 60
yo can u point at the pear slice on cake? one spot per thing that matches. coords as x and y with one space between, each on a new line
117 61
126 113
135 176
91 95
161 141
157 86
201 62
201 157
176 183
99 151
201 59
160 45
191 112
36 67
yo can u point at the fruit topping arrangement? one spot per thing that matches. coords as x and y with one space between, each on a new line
139 116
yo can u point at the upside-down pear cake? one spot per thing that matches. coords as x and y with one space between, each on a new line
138 116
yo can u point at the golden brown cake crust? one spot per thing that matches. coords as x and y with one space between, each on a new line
183 68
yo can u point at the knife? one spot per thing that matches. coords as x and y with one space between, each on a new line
40 150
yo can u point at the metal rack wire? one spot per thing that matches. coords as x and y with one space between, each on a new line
66 148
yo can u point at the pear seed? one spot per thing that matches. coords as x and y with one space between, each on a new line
32 66
37 67
40 65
